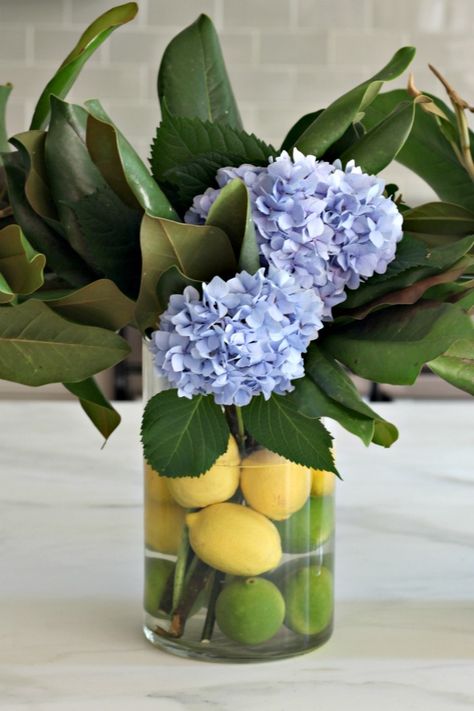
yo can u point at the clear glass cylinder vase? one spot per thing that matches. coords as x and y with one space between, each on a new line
239 562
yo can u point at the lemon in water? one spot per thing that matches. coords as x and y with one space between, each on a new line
216 485
273 485
163 526
156 486
234 539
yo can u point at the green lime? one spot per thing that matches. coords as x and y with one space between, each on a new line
309 527
309 600
250 611
280 574
157 575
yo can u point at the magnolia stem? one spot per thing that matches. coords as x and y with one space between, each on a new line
180 570
240 429
211 608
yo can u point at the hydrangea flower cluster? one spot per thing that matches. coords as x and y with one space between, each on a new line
243 337
328 227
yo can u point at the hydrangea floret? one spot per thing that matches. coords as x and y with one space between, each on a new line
329 227
243 337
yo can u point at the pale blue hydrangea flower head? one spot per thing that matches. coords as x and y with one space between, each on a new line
328 227
243 337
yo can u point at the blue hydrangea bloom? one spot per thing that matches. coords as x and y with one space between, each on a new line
243 337
328 227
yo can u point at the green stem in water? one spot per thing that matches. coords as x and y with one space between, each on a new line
180 569
240 429
210 621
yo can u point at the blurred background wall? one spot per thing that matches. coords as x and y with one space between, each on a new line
285 57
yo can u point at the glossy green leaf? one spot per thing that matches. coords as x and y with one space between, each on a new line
412 294
111 233
435 261
391 346
279 426
121 166
193 80
90 40
232 212
330 377
100 304
439 218
183 437
187 152
426 151
98 409
311 401
60 256
98 225
298 128
31 146
332 123
21 267
379 146
5 90
37 346
173 281
199 251
456 366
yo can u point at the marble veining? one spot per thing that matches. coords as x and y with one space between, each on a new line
71 575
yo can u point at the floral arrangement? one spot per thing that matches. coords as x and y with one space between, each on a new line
255 272
259 277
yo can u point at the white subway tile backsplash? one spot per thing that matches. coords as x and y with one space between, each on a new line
261 14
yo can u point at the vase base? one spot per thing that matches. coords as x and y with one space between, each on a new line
233 653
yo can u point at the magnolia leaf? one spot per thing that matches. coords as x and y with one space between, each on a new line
330 377
311 401
98 225
232 212
183 437
98 409
31 146
412 294
59 254
173 281
391 346
37 346
121 166
435 261
332 123
426 151
90 40
100 303
111 233
379 146
193 80
279 426
21 267
439 218
298 128
5 90
199 251
456 366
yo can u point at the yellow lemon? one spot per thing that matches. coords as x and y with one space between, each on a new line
156 486
216 485
234 539
163 526
273 485
323 482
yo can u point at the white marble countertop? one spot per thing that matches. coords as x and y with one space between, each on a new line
71 576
